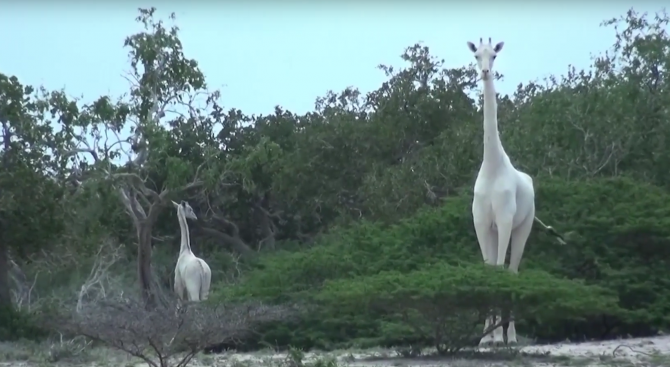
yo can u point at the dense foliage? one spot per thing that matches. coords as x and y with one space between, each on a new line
358 210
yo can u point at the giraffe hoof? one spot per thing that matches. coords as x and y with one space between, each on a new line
498 344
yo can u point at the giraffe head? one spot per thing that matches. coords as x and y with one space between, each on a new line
485 54
185 209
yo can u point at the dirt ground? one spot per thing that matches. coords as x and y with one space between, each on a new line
650 352
647 352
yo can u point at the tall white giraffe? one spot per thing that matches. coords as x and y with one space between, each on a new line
192 275
503 207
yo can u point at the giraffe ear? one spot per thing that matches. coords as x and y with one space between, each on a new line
175 204
472 47
499 46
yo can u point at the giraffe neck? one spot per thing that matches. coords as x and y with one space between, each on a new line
185 238
493 149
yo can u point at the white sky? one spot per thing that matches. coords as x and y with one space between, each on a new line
287 53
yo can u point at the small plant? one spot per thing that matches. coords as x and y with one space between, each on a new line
324 362
294 357
75 348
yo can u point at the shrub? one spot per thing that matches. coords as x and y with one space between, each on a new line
447 304
15 325
619 240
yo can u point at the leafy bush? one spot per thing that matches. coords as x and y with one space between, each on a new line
618 232
449 303
470 287
15 325
366 248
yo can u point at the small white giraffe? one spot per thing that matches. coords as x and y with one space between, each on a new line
192 276
503 207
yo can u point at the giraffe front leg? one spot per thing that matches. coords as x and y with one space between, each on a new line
487 339
511 331
488 240
504 207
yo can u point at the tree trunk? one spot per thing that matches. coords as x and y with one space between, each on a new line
5 294
144 266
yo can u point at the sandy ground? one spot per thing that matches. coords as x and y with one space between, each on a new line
647 352
629 352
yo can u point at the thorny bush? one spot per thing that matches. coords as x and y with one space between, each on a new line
166 335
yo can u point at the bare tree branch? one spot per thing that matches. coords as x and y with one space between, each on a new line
23 289
75 151
232 241
106 256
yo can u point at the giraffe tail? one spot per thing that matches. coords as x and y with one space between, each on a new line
551 231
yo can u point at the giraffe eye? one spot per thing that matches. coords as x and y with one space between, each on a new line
494 57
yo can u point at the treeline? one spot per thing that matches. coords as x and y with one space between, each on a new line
358 210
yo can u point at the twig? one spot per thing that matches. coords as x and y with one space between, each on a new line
631 349
551 231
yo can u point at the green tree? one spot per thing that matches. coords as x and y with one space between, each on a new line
30 181
152 174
